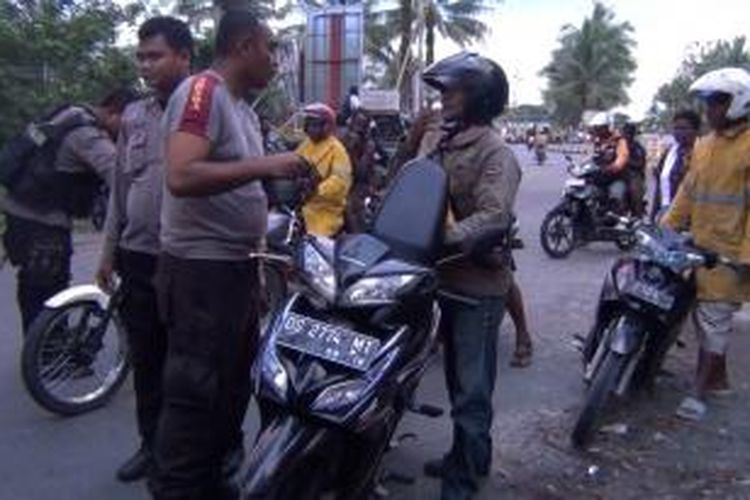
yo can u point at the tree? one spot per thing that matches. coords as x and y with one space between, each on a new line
456 20
58 51
592 68
674 96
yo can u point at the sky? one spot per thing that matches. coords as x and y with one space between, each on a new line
525 32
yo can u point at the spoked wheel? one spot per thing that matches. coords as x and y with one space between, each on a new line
74 358
557 233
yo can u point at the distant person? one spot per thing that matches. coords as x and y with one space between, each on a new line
131 246
611 154
56 184
362 152
635 170
673 165
324 211
350 105
712 203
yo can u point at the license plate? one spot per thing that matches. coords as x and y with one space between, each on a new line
650 294
330 342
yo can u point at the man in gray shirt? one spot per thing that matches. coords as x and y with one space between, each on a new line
38 238
132 228
213 216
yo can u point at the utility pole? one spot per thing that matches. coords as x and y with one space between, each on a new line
420 6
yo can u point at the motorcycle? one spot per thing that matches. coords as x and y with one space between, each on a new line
643 303
585 214
75 354
342 356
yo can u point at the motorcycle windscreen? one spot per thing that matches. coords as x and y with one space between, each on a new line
411 219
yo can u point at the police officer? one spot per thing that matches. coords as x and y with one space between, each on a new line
213 216
484 176
38 238
132 228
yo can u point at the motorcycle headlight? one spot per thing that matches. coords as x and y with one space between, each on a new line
378 290
340 396
319 272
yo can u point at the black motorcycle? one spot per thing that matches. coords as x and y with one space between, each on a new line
586 213
342 356
643 303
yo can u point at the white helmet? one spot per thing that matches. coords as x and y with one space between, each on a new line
732 81
600 119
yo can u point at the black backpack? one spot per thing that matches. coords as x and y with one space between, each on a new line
27 166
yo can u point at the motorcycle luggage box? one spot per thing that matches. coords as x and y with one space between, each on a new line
411 219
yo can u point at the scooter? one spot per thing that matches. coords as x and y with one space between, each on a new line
342 356
643 303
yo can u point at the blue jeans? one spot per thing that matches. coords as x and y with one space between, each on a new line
470 335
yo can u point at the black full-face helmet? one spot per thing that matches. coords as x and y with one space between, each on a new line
483 81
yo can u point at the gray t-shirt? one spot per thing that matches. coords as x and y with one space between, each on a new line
226 226
137 181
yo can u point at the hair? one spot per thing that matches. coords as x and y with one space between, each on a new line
235 24
118 99
690 116
175 32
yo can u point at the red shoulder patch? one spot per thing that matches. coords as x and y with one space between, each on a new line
197 112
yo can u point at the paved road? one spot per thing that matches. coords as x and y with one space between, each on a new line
45 457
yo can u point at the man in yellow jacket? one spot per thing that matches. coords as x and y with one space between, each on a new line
324 211
713 203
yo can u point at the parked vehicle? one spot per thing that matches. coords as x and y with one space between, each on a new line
586 213
342 356
642 305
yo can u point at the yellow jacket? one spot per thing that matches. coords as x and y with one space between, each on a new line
713 204
324 211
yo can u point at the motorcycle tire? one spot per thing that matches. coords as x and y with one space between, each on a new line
566 243
77 361
604 383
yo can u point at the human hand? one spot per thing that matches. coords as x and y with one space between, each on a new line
104 275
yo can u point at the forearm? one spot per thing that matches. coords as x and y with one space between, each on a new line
207 178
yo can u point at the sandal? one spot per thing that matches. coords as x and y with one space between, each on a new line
522 355
691 409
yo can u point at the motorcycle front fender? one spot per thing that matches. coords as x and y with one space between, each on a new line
286 442
80 293
627 336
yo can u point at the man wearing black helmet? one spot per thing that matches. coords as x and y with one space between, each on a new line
484 178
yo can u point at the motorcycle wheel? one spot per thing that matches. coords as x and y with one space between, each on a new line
603 384
557 234
71 362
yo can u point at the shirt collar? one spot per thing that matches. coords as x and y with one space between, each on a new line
467 137
734 132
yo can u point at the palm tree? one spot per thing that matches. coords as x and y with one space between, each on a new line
592 68
456 20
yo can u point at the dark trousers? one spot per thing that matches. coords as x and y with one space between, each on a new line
210 311
636 193
470 341
41 253
147 337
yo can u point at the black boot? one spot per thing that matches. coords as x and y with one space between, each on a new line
437 468
137 466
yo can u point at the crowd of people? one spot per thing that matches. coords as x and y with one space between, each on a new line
185 165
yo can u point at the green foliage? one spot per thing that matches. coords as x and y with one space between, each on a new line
54 51
673 96
592 68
